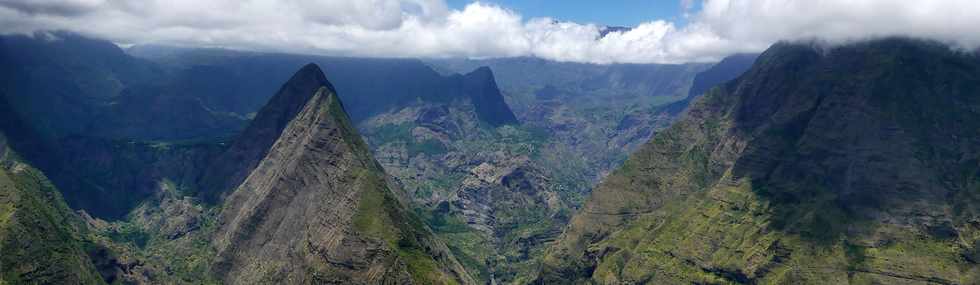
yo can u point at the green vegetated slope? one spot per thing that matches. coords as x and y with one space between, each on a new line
110 178
317 208
41 241
45 242
857 164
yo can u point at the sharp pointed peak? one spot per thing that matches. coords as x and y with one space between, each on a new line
310 74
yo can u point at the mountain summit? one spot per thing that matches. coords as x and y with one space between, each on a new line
487 100
846 165
246 151
316 207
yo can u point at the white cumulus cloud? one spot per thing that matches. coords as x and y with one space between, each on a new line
428 28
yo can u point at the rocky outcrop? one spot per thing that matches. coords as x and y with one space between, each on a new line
486 98
316 207
852 164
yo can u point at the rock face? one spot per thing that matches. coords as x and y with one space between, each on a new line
487 100
317 208
854 164
232 167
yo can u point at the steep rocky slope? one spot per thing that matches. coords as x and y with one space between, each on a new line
247 150
854 164
489 104
316 207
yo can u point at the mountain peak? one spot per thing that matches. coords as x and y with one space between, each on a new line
487 98
313 206
307 76
231 168
311 71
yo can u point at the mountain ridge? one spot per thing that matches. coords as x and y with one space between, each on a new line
727 69
815 166
247 150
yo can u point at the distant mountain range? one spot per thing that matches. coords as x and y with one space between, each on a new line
87 92
91 87
201 166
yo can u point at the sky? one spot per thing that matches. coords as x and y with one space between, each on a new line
624 13
663 31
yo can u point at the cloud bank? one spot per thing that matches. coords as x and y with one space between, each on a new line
428 28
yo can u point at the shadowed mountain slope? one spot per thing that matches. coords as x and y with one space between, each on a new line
41 239
729 68
854 164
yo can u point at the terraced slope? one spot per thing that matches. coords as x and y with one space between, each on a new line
848 165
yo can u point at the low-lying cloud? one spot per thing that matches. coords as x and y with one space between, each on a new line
428 28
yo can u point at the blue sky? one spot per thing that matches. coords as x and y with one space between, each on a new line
607 12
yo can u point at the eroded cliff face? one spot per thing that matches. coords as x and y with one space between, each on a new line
317 208
231 168
855 164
